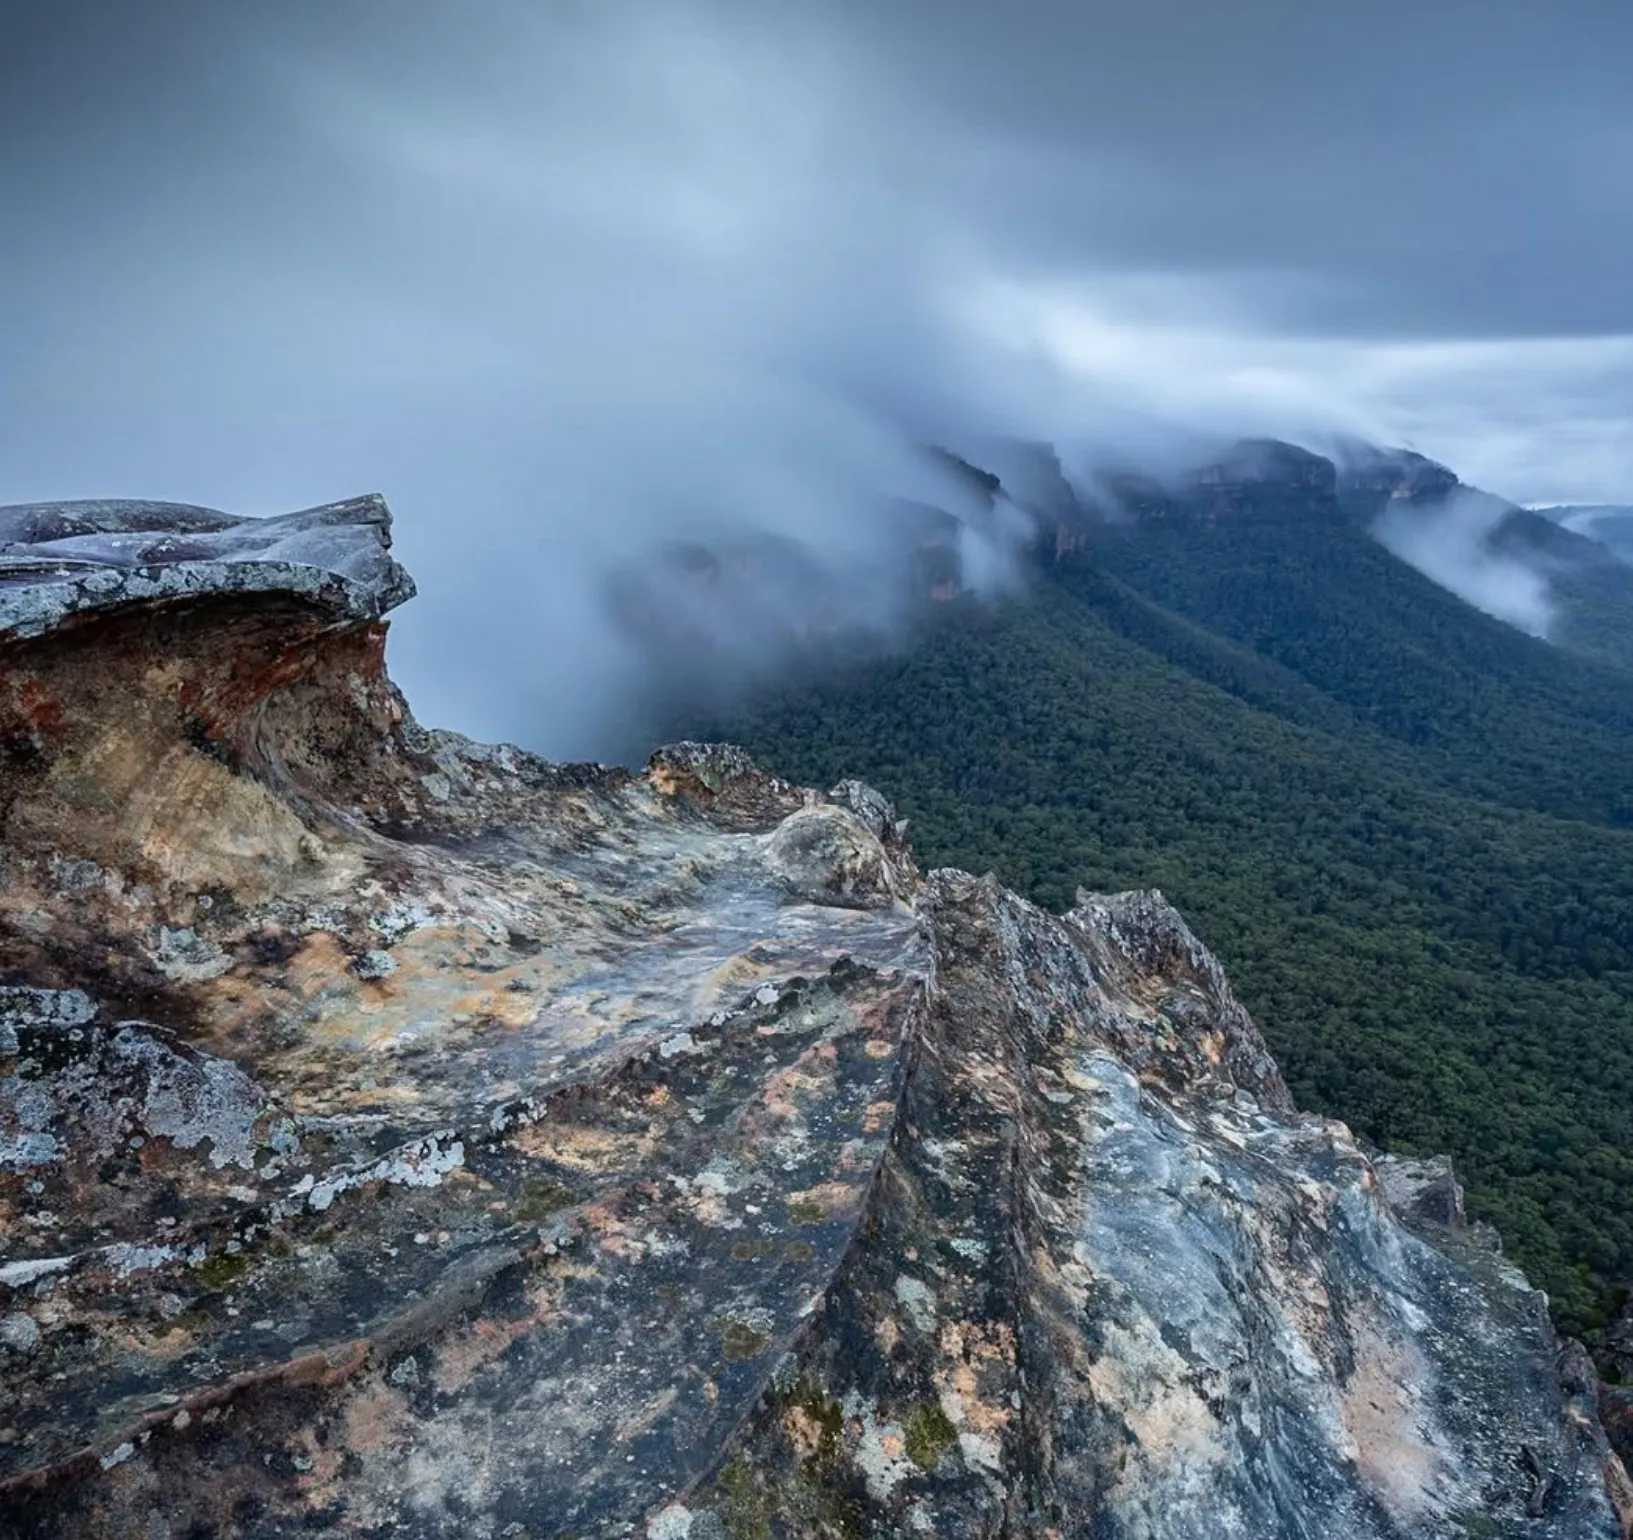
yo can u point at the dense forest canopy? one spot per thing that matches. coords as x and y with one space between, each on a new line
1405 827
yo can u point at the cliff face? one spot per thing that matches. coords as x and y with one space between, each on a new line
401 1136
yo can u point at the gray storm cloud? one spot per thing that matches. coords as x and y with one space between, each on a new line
571 282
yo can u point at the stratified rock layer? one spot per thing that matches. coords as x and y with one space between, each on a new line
400 1136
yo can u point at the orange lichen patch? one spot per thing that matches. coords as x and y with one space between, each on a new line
623 1241
994 1081
162 1345
709 1207
461 1355
877 1116
667 781
833 1198
811 1075
375 1416
318 965
463 947
978 1374
803 1430
583 1148
613 1234
887 1333
878 1048
875 1015
431 974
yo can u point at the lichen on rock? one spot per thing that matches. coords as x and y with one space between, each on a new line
401 1135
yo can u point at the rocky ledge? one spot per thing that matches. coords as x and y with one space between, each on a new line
402 1136
58 560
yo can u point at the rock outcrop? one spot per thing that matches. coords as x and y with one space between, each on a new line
1616 1389
403 1136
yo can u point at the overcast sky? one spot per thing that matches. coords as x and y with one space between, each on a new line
560 277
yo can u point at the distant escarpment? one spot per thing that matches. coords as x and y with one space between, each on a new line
704 619
402 1136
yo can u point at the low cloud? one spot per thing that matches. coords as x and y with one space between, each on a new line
579 284
1450 542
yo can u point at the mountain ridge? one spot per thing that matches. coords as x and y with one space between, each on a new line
1403 823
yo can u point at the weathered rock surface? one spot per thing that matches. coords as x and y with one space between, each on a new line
1616 1353
401 1136
62 559
1615 1364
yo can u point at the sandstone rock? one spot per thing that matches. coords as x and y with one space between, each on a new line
400 1135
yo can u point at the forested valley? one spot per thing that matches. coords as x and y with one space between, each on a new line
1404 827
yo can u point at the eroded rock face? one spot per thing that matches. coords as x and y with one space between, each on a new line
403 1136
1616 1392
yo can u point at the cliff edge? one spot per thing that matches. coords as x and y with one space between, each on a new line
404 1136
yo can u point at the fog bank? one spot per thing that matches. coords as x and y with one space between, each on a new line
574 283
